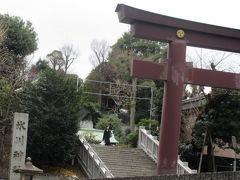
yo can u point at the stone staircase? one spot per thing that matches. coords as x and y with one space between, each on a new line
126 162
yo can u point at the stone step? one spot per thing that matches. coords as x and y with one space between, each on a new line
126 162
122 163
132 170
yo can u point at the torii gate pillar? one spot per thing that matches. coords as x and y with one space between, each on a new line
171 113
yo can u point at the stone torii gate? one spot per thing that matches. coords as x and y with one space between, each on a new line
178 33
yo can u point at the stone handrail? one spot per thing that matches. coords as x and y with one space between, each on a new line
149 144
90 161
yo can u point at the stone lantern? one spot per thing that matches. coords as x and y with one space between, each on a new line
28 170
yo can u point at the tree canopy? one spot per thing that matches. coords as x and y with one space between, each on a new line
53 105
116 67
20 37
140 47
17 40
220 118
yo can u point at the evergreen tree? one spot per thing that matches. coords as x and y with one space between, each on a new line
53 105
219 121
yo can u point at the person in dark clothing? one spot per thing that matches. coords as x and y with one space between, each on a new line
106 136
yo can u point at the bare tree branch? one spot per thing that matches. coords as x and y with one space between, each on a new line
211 59
70 54
100 52
224 57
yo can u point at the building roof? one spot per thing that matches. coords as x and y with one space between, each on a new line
223 152
194 102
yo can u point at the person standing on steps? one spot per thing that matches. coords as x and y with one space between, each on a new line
106 136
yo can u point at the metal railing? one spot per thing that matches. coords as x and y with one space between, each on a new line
90 161
149 144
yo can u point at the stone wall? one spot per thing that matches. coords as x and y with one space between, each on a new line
203 176
50 177
47 177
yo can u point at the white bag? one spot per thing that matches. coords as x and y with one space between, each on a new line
102 143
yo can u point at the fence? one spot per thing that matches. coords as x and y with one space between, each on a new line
149 144
90 161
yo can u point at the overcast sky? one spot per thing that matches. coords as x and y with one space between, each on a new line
58 22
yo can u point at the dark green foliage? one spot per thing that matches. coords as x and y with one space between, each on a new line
132 139
140 46
158 99
152 125
90 111
42 65
53 105
17 39
190 153
113 121
220 119
56 59
143 105
21 39
104 72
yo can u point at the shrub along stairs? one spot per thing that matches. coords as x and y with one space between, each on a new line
126 162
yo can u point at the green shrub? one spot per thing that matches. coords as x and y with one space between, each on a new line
90 137
150 124
132 138
113 121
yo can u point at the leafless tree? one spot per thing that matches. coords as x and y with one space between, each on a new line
100 52
214 60
70 54
120 92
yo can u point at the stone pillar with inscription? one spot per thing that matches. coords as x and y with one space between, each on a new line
19 143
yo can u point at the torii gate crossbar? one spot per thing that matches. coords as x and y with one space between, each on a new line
178 33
